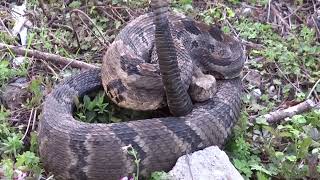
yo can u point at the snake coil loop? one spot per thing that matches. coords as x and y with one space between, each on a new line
76 150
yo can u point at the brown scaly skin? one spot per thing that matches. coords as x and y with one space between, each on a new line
178 100
131 76
75 150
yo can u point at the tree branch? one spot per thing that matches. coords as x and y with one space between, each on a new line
278 115
46 56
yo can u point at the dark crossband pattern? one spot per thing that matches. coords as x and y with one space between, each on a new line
115 88
75 150
180 42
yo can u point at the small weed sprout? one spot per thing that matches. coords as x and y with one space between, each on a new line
134 153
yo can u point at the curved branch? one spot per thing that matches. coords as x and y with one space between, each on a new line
46 56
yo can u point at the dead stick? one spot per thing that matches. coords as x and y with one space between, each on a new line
277 13
46 56
278 115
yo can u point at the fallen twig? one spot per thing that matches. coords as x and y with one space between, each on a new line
29 121
316 26
277 13
313 89
278 115
34 119
46 56
269 10
51 69
77 11
284 75
5 27
44 9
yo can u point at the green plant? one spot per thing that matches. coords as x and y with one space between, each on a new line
131 3
219 12
45 39
234 1
36 93
297 51
25 162
7 165
159 176
295 56
259 150
6 72
33 142
5 130
285 149
259 2
28 161
295 133
5 38
134 153
184 6
12 145
95 110
242 157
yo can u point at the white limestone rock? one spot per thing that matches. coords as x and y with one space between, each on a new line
208 164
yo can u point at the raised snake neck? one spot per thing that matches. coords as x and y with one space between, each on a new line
178 100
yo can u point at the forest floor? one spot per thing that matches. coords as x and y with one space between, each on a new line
278 133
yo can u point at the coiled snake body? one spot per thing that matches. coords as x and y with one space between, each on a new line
131 74
77 150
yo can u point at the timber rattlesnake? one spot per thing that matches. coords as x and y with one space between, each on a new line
77 150
130 70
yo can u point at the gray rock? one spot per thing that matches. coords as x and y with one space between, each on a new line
247 12
208 164
256 93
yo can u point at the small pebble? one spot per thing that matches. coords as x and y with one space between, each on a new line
256 93
247 11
